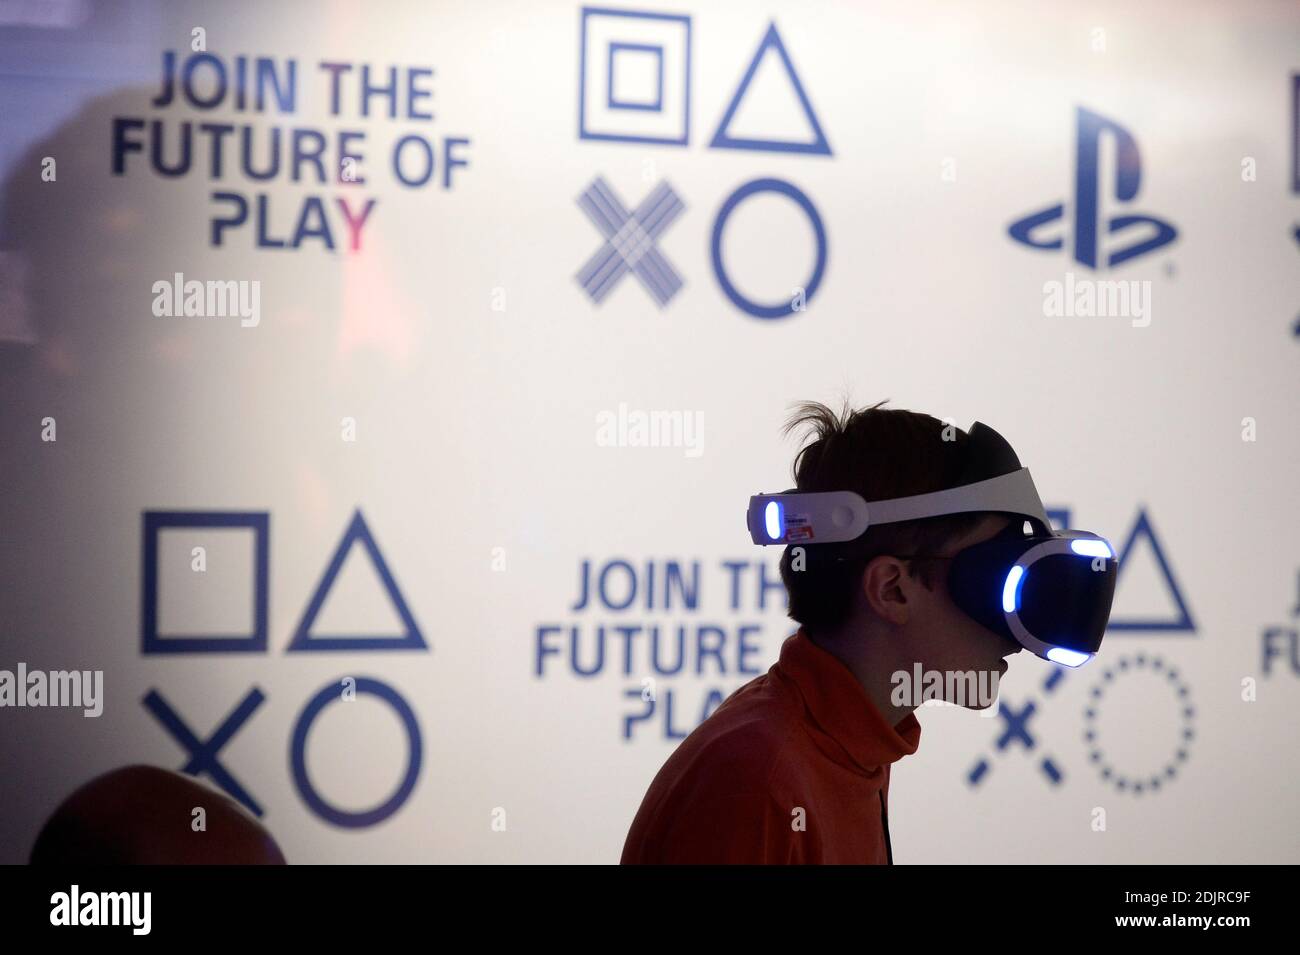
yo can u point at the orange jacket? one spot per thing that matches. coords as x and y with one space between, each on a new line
792 768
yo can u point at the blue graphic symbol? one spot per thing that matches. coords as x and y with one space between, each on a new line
305 641
630 239
1295 133
786 307
612 99
298 756
618 100
1295 329
1182 623
1087 179
1139 784
722 138
1017 731
154 521
203 754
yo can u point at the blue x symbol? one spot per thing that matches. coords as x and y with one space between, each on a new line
203 755
630 241
1016 730
1017 725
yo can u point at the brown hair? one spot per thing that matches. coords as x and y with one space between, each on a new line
879 453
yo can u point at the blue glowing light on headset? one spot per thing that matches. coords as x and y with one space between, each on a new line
1011 589
774 519
1066 657
1091 548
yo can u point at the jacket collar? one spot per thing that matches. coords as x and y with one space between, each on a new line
848 726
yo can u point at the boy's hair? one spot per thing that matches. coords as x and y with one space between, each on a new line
879 453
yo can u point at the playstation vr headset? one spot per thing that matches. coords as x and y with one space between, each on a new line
1050 591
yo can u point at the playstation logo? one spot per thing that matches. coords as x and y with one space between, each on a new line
1153 232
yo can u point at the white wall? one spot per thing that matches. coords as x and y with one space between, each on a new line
476 368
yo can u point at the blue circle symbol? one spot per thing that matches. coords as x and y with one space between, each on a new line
1155 780
313 799
736 198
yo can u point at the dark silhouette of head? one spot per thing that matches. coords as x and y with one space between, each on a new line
143 815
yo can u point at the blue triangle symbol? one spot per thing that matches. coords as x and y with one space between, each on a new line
723 140
1183 624
303 641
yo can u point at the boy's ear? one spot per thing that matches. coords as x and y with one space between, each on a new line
884 585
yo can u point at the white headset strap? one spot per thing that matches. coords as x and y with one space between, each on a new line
1013 493
831 516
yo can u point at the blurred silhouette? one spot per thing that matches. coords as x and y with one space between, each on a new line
143 815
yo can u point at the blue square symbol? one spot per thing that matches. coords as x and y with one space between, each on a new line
634 76
638 58
153 642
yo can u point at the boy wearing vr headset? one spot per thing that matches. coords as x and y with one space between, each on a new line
911 547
